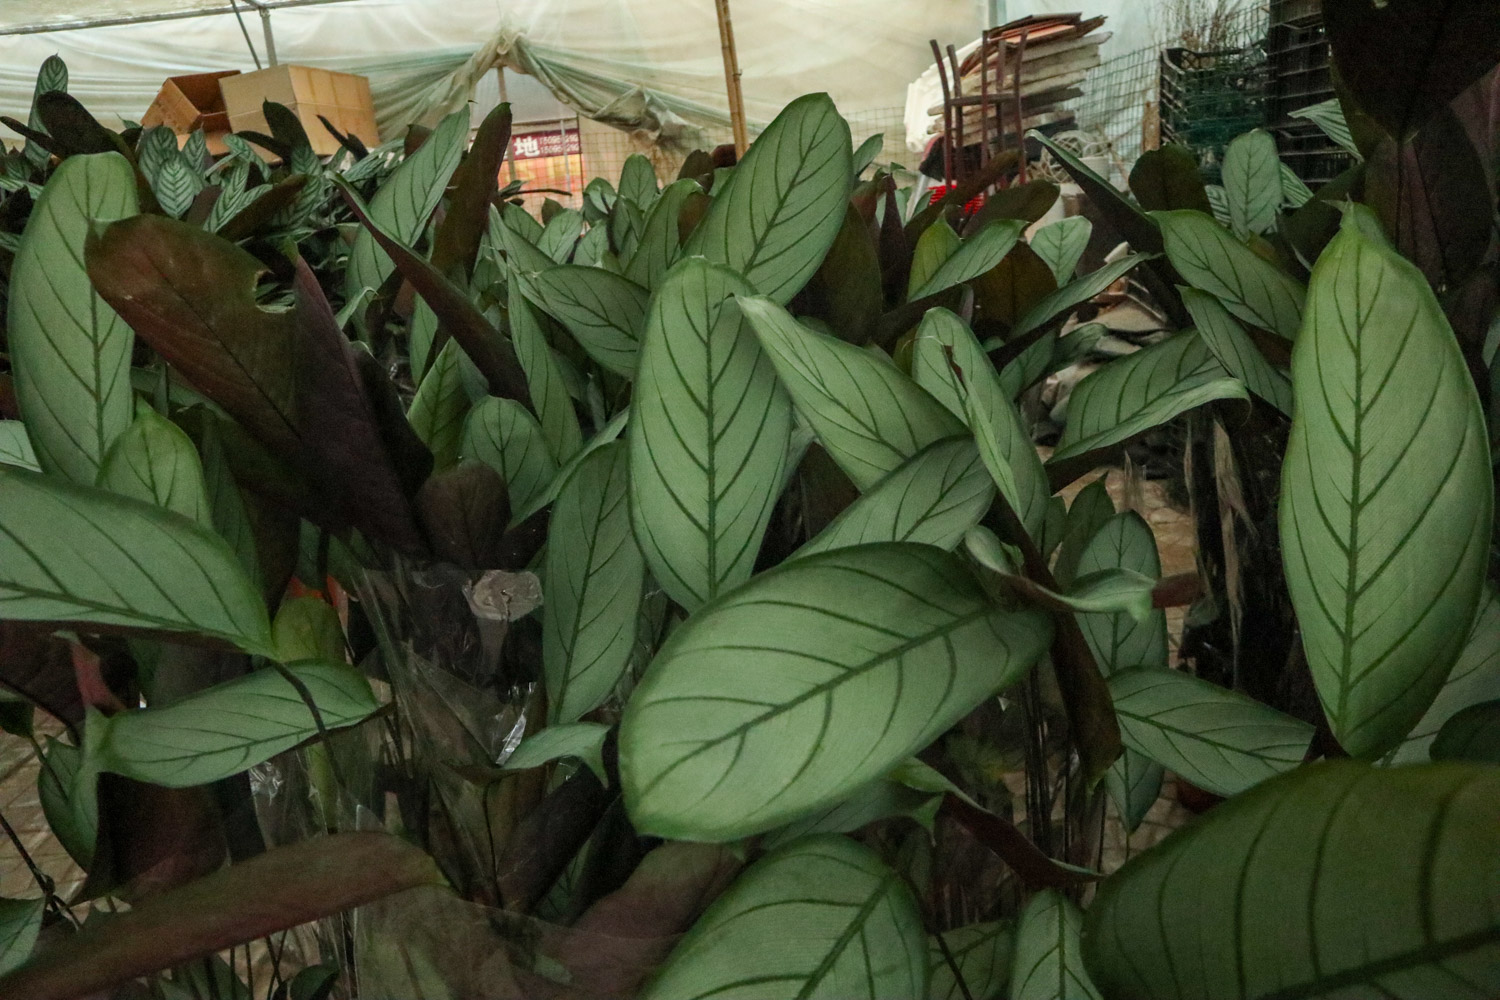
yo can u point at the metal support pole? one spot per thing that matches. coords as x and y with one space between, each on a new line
265 26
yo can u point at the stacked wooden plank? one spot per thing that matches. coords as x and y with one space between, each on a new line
1053 54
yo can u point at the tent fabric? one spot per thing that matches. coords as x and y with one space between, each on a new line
52 15
660 58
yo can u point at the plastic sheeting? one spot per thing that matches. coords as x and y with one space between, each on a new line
661 57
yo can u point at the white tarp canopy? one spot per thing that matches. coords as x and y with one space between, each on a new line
621 61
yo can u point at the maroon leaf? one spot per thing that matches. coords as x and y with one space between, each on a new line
1404 60
548 838
1010 845
846 291
461 319
465 510
282 888
289 378
455 245
1167 179
623 937
152 839
37 666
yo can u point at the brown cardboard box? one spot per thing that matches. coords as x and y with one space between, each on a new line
188 103
342 98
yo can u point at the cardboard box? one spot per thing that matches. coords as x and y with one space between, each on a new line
188 103
342 98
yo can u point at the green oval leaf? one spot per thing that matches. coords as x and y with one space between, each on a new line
948 362
1232 347
440 406
1387 497
69 351
1329 117
1252 183
504 435
560 235
1061 245
1337 880
20 923
1119 640
580 740
708 436
933 498
1134 784
1062 302
1210 258
819 919
785 203
1473 734
869 416
544 377
660 244
155 462
604 312
15 446
978 254
862 657
937 243
73 553
1141 391
593 580
1220 740
606 434
638 181
1474 678
406 200
1048 960
307 628
227 728
982 953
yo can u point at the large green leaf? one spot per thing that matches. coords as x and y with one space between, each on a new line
1337 880
1220 740
1329 117
1062 302
948 362
937 243
604 312
1061 244
1472 734
785 204
227 728
978 254
1210 258
638 181
933 498
1141 391
1048 959
504 435
20 923
868 415
1252 183
560 235
1134 784
604 436
862 656
438 410
1387 498
593 579
1232 347
1474 678
544 377
1119 640
708 436
406 200
660 244
576 740
155 462
69 351
982 953
15 446
78 554
819 919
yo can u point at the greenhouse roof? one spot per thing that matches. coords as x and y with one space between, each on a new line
24 17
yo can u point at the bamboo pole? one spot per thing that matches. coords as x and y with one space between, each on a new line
732 78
